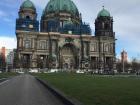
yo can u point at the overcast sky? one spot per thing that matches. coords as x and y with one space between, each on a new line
126 15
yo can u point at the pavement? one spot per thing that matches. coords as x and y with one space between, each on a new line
26 90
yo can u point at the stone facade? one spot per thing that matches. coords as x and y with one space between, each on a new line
57 50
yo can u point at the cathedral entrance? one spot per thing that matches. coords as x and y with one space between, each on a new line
68 57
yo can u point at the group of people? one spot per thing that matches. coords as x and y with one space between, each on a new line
137 73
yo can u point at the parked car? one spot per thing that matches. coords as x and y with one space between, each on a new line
35 70
80 71
52 71
20 72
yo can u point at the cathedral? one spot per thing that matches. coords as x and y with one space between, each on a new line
61 40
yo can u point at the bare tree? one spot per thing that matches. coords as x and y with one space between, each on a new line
135 65
119 67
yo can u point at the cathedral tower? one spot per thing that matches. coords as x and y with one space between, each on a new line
106 41
104 24
27 17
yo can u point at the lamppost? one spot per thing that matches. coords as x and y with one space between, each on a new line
0 62
60 60
104 61
114 66
123 65
50 51
123 57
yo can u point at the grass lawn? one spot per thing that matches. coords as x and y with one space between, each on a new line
6 75
97 90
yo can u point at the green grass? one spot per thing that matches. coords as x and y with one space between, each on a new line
97 90
6 75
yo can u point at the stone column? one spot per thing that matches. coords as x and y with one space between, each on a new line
33 43
19 60
22 42
34 60
19 42
20 63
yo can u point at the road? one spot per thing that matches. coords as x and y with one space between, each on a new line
26 90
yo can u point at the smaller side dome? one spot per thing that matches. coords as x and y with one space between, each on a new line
27 4
103 13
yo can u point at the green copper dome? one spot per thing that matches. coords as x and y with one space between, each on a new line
61 5
103 13
27 4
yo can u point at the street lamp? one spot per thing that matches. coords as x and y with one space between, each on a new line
123 65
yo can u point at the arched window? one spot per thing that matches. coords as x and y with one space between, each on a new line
103 25
27 17
51 8
106 48
42 45
107 26
27 44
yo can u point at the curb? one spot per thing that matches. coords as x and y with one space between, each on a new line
65 99
3 79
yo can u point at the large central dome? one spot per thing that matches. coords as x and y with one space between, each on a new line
62 16
61 6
